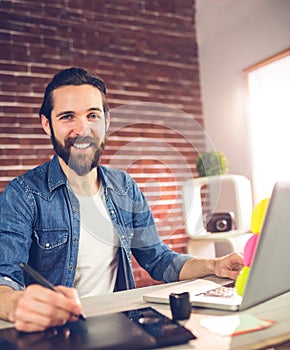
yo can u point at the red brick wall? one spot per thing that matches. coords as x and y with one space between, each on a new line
147 53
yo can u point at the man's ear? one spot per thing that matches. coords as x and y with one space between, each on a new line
45 124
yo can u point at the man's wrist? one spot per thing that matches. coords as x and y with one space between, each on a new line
9 297
210 265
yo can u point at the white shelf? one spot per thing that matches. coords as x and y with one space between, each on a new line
203 243
220 236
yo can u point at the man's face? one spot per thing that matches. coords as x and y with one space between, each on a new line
78 126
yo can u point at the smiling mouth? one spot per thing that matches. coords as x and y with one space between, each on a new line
81 146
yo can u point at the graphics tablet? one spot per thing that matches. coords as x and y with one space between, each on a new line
136 329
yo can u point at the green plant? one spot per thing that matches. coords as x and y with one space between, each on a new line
211 163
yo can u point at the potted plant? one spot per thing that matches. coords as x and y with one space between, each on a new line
211 163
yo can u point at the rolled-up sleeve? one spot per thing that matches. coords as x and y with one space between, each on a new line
7 281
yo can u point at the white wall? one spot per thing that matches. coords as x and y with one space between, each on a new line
233 35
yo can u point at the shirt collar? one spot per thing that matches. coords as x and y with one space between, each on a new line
56 176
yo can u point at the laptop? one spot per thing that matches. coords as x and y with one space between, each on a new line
268 276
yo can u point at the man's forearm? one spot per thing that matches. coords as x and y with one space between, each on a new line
228 266
196 268
8 300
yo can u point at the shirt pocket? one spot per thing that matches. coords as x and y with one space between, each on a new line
50 249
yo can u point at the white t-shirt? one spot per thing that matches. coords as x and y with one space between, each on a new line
98 247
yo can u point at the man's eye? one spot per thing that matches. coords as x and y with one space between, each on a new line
66 117
95 116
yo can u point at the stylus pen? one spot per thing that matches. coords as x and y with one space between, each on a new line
42 281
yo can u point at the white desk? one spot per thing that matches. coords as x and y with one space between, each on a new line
277 309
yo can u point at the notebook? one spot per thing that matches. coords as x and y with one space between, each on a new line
268 276
140 329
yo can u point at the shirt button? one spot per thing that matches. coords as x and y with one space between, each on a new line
71 267
112 212
47 245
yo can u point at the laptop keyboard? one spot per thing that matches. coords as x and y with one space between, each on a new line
222 291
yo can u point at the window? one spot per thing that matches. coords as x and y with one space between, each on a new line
269 109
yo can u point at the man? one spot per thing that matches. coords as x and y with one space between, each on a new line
77 222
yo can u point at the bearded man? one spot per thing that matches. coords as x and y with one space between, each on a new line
77 222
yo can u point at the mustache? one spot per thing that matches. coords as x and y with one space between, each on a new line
70 141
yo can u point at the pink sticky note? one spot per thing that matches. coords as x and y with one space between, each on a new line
249 250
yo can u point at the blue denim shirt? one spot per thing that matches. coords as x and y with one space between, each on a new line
40 224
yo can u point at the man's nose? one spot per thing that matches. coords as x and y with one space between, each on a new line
82 127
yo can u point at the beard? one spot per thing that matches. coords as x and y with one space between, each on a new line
81 163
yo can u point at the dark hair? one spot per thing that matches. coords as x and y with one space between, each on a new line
71 76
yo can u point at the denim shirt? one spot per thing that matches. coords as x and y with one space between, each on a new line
40 225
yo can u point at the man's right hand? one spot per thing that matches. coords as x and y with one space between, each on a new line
37 308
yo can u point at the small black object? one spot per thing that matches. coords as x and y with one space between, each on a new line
180 306
221 222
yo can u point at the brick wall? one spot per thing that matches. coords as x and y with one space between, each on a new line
147 53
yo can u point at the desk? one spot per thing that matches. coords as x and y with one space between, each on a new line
277 309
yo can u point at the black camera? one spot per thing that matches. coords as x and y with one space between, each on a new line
220 222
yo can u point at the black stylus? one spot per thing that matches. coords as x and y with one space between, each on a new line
42 281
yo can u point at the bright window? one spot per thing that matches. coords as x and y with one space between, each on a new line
269 107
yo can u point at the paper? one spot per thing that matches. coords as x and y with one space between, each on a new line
235 325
